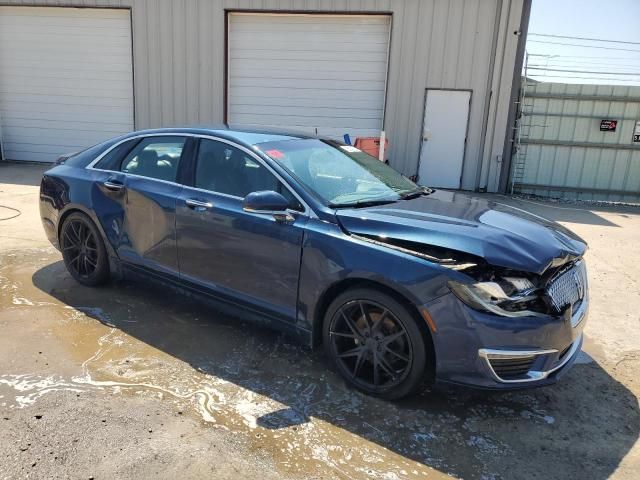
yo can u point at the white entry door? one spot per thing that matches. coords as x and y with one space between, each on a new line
446 115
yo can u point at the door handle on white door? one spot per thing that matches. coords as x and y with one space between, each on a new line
198 205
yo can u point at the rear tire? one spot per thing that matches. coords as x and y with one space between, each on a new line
375 343
83 250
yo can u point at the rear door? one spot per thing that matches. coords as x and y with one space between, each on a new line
249 258
145 182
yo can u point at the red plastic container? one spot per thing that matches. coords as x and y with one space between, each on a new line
371 145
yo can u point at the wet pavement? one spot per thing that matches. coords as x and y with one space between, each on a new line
254 402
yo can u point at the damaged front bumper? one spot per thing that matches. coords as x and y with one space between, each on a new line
483 350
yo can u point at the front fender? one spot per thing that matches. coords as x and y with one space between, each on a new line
331 257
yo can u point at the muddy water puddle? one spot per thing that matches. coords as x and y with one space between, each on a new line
131 339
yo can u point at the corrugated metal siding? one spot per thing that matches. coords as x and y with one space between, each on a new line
179 55
558 120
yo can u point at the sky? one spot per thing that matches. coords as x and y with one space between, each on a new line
611 20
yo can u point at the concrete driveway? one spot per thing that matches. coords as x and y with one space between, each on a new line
130 381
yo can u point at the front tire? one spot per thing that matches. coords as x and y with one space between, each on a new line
375 343
83 250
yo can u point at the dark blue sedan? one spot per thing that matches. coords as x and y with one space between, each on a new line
403 285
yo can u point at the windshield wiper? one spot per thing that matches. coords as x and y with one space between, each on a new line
362 203
416 193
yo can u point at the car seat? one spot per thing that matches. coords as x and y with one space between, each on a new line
147 164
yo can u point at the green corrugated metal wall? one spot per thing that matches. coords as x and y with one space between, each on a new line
564 154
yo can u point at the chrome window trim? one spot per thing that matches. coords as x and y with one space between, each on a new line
240 199
90 166
138 176
211 192
117 144
307 209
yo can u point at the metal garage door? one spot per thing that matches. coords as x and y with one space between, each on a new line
66 79
308 72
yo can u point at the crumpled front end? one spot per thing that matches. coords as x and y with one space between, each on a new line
484 350
519 329
480 347
500 327
496 234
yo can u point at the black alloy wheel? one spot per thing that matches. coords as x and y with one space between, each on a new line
376 344
83 250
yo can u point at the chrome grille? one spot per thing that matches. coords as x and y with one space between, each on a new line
569 287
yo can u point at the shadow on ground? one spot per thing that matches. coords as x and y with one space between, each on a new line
579 428
22 173
583 213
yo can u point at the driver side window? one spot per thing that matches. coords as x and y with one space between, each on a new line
223 168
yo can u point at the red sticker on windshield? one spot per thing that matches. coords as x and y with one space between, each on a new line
277 154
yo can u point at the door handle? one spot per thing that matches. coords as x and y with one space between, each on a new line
113 185
198 205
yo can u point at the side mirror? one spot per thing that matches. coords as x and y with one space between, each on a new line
268 202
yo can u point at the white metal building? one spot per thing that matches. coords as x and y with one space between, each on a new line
436 75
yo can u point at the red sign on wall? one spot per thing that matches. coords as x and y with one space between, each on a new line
608 125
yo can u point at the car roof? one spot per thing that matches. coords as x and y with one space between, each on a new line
246 136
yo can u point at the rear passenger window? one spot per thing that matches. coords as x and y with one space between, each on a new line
155 157
223 168
111 161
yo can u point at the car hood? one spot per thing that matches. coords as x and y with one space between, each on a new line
504 236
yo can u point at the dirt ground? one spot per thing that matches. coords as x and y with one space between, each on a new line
130 381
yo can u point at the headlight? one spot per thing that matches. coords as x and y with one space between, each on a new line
491 296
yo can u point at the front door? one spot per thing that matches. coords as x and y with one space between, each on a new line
249 258
446 114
